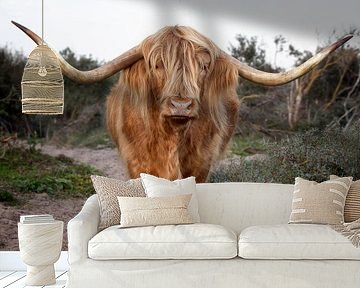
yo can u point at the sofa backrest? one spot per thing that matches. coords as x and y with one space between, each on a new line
239 205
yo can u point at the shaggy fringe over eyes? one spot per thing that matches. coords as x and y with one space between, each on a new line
176 49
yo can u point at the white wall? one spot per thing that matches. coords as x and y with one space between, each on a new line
105 28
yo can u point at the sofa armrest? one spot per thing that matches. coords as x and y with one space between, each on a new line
82 228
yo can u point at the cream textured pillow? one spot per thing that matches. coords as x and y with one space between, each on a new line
352 203
139 211
107 190
159 187
321 203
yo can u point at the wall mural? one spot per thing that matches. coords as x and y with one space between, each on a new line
173 111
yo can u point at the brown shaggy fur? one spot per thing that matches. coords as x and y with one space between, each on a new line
178 62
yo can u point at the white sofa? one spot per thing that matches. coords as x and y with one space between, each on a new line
249 245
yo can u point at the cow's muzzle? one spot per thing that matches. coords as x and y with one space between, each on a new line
179 107
180 110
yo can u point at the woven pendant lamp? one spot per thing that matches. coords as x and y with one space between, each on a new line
42 84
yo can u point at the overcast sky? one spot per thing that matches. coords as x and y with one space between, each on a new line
106 28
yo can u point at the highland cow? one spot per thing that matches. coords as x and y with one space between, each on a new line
174 109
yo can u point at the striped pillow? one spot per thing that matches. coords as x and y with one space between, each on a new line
352 203
320 203
146 211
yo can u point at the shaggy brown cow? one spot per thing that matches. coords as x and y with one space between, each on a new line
174 108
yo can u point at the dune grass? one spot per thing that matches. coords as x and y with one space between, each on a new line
30 171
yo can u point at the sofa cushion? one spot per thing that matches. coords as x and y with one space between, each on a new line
295 241
192 241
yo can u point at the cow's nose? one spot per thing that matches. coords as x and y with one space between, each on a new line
181 105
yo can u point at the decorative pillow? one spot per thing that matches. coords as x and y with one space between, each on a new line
139 211
320 203
352 202
159 187
107 190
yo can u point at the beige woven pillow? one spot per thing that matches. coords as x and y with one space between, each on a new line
352 203
321 203
107 190
138 211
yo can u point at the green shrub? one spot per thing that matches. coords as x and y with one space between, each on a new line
46 184
239 170
314 155
29 171
245 146
6 196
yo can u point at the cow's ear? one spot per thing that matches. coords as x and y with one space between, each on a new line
220 86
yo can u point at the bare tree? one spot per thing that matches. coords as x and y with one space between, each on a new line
324 85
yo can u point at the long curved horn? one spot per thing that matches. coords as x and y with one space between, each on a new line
273 79
121 62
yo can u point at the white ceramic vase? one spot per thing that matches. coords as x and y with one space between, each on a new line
40 247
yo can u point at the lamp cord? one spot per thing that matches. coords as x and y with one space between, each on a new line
42 70
42 21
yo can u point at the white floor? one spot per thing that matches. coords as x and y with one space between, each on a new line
16 279
13 271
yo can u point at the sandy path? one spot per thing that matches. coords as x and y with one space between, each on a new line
105 159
